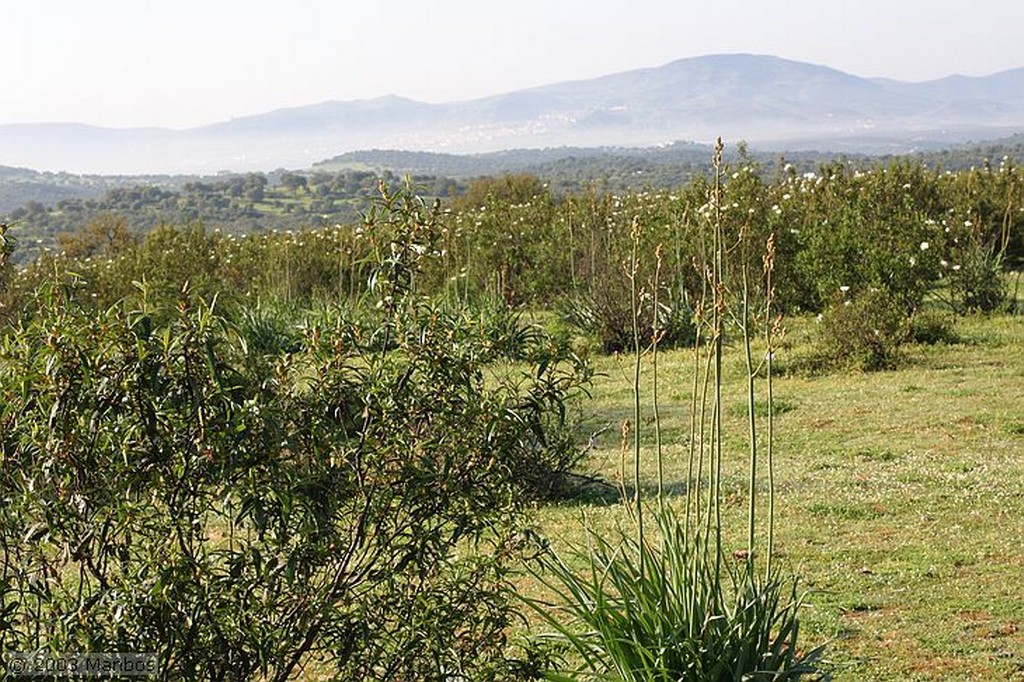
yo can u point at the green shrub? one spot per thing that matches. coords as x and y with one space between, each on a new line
7 246
864 330
931 327
248 498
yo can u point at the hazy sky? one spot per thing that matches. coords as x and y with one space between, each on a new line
189 62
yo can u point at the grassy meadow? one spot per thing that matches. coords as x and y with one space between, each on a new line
899 498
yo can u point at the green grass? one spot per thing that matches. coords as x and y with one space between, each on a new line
900 497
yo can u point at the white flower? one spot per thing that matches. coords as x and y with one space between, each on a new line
913 261
944 264
956 267
844 288
925 246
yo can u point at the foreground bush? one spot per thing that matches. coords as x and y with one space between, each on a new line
347 501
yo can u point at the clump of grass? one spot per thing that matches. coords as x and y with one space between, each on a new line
663 610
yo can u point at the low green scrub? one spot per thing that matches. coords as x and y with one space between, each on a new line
7 245
608 318
976 284
913 232
931 327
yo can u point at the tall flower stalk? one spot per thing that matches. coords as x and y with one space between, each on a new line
772 331
672 608
634 266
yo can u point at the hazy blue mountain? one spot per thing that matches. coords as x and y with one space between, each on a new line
772 103
1004 88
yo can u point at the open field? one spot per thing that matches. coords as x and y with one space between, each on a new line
900 497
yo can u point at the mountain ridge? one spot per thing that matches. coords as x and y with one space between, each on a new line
768 101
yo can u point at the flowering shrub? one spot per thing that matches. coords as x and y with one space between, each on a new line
913 231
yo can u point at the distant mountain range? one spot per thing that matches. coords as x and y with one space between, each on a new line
772 103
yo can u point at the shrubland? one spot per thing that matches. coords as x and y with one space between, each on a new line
887 237
318 450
